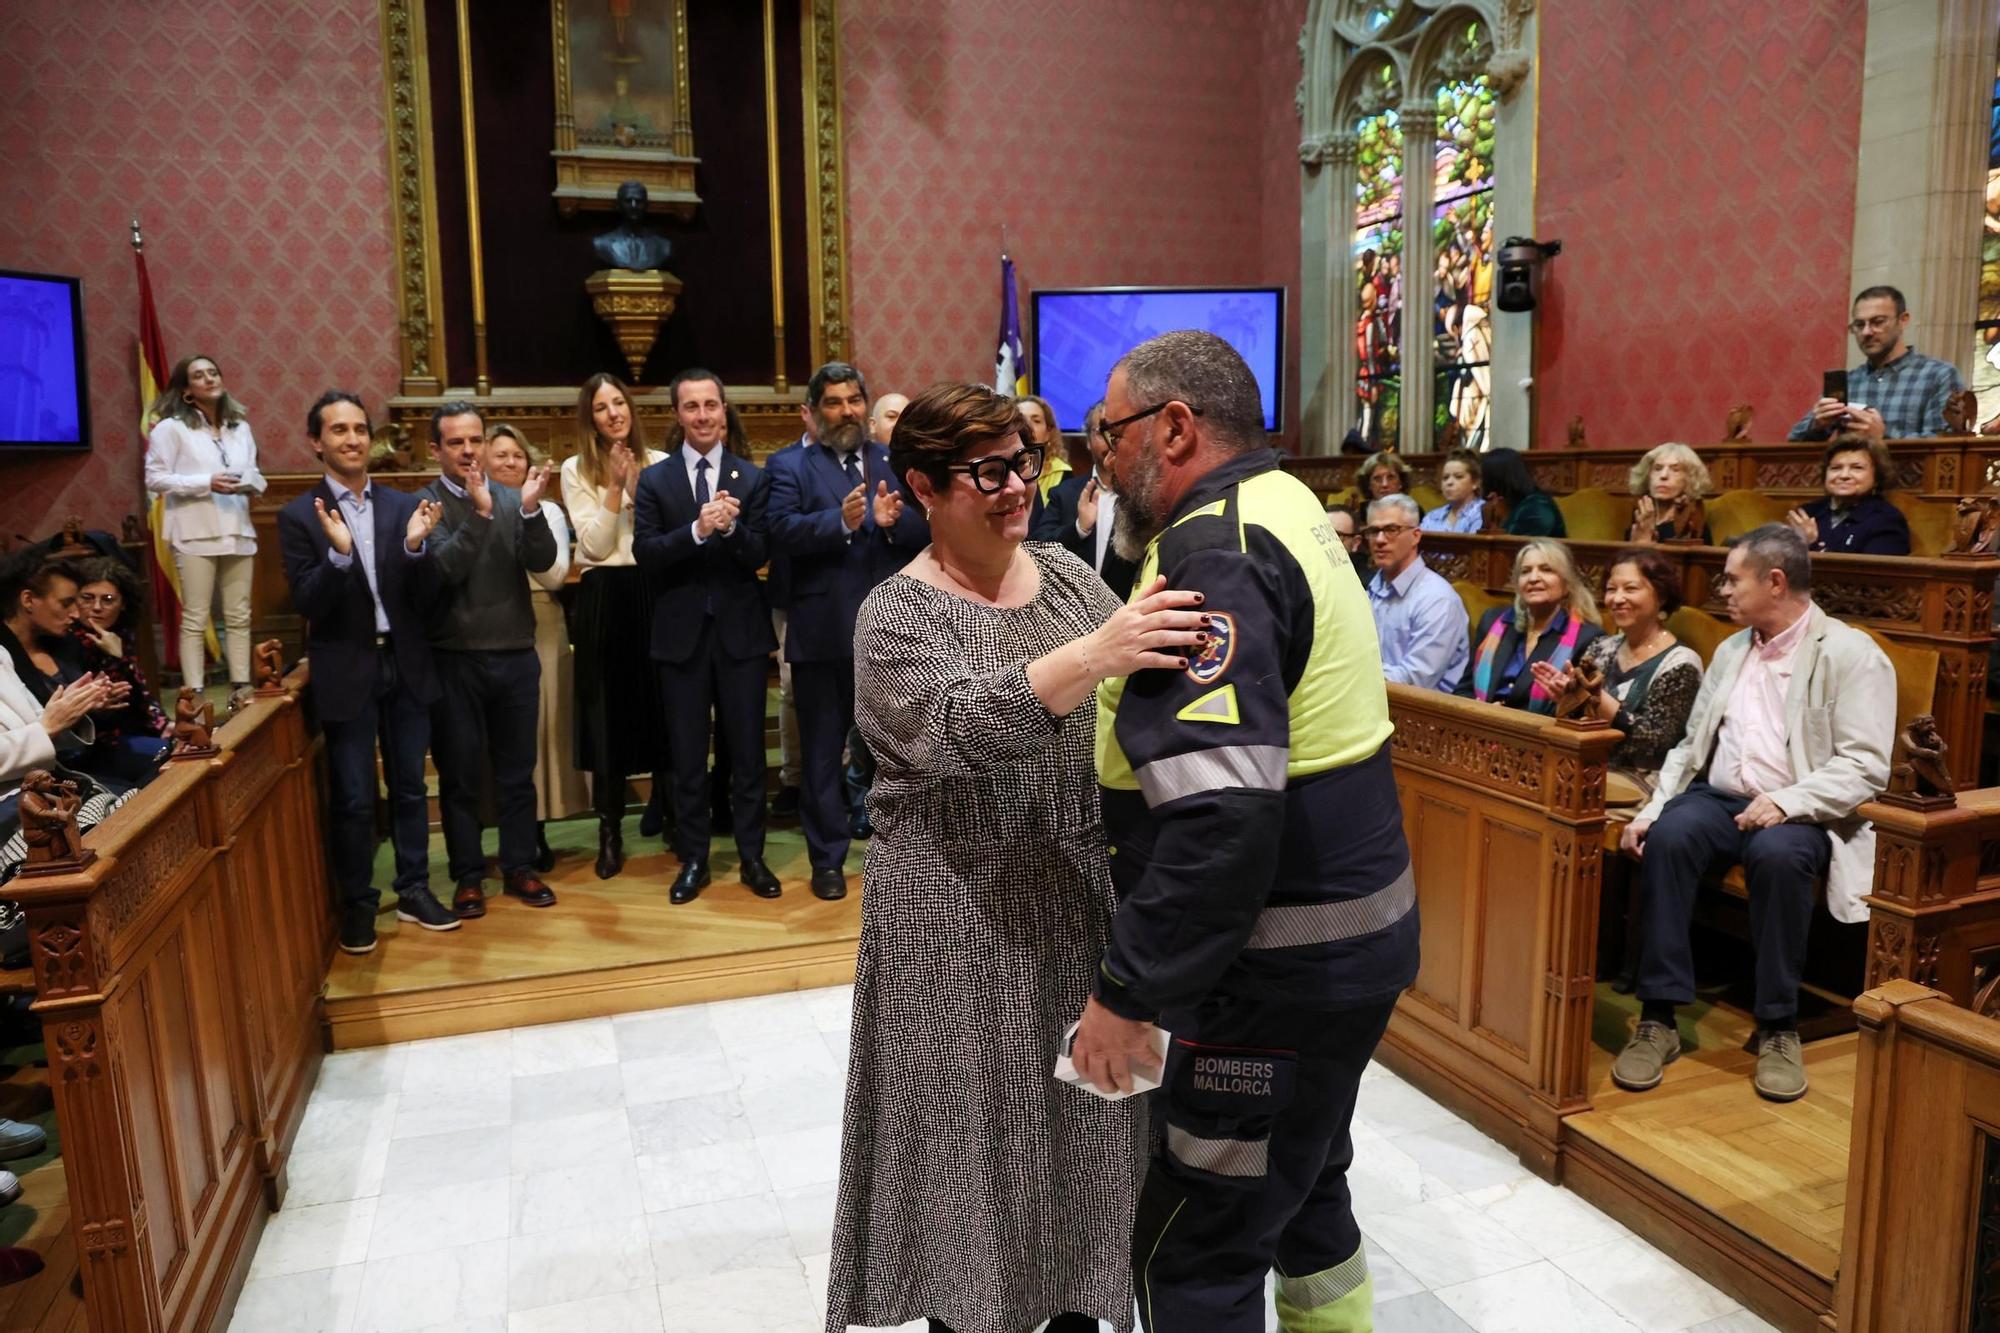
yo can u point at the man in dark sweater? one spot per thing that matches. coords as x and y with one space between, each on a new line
483 639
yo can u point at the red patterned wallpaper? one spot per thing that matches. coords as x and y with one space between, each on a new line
1697 161
1120 141
248 136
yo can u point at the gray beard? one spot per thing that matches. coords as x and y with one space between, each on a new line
1137 520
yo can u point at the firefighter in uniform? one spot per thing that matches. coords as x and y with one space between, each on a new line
1267 913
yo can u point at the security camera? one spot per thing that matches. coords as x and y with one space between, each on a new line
1520 262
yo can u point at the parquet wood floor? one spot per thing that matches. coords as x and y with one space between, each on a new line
51 1301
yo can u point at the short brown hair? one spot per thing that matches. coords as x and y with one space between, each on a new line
1466 457
1656 569
942 422
1852 443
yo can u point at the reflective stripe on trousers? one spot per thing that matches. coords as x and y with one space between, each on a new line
1340 1299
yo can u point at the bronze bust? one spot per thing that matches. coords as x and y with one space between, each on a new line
631 244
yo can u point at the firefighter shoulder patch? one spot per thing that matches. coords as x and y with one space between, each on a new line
1207 666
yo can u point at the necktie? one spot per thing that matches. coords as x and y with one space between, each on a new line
847 466
701 496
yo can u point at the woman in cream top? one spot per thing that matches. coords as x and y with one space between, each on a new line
620 730
203 459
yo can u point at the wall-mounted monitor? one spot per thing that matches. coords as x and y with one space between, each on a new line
1081 332
44 386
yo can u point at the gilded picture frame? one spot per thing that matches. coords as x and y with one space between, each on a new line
621 76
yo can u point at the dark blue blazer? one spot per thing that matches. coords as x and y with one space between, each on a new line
691 580
340 611
832 570
1876 528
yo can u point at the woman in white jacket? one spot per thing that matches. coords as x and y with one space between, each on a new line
203 459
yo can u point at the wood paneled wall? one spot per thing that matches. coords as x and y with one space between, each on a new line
177 981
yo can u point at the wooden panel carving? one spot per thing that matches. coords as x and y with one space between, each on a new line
1440 837
155 867
1510 920
1985 1312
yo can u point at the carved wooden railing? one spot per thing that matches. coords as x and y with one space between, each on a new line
1934 917
1945 605
1505 816
177 980
1921 1244
1938 468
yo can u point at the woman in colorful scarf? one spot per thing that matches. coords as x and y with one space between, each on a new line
1553 619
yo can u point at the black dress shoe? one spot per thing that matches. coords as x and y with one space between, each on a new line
829 884
859 827
690 882
528 887
653 818
758 878
610 848
545 855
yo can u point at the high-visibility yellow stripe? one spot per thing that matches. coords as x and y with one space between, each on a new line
1340 1299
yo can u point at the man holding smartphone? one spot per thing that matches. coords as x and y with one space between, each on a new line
1896 393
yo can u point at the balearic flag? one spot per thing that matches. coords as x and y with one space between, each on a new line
1010 363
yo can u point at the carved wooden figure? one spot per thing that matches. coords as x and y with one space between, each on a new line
1921 771
1573 704
1736 427
132 532
48 819
1961 413
1576 440
194 720
268 664
1978 527
1493 516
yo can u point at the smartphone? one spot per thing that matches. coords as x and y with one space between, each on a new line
1833 384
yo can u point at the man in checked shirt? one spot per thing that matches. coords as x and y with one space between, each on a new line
1896 393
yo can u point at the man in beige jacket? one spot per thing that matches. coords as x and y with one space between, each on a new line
1789 735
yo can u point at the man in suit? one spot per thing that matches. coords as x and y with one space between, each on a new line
1789 735
490 538
1082 511
838 516
697 532
358 561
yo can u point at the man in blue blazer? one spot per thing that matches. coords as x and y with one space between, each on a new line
357 559
1080 512
697 532
839 517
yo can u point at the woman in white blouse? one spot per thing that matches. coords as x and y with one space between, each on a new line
203 459
619 728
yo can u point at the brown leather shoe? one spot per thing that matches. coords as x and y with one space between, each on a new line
528 887
469 903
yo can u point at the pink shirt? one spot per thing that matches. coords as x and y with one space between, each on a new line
1751 757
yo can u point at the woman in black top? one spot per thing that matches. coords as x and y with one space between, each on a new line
1855 518
1514 497
39 597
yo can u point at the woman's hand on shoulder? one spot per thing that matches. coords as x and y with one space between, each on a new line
1145 633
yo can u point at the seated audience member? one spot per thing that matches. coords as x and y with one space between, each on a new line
1789 735
1650 677
1895 393
1524 508
1462 510
560 787
1670 478
108 598
1383 473
1855 518
1341 519
39 597
1419 618
1553 619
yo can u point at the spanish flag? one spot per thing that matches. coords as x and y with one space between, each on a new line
165 575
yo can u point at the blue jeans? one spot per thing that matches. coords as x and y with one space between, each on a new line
402 726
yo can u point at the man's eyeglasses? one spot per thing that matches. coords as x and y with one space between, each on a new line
1389 530
100 599
1875 325
989 474
1109 430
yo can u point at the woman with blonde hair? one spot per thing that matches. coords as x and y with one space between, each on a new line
1383 473
202 457
619 727
1552 620
1044 430
1670 481
560 790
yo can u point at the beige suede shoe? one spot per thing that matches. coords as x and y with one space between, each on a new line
1643 1062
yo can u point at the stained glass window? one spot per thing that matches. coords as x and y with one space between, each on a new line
1462 231
1986 333
1378 276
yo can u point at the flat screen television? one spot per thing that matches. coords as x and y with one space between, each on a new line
44 388
1080 333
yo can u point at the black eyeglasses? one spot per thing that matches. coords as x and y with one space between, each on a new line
1106 429
990 473
1390 530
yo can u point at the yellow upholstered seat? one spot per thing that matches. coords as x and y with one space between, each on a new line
1733 513
1595 515
1699 630
1916 675
1932 522
1478 602
1430 497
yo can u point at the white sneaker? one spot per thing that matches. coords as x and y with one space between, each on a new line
10 1188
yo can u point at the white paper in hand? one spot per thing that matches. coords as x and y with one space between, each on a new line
1066 1070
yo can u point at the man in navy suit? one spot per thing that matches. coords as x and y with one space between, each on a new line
697 531
358 563
838 515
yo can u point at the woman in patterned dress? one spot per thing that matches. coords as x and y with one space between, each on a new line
975 1190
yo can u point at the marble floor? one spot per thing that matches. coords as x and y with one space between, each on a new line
674 1171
